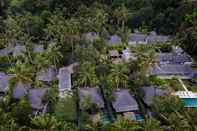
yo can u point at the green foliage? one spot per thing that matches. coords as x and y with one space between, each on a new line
63 21
86 76
124 125
151 125
23 72
118 75
158 81
168 104
21 112
188 37
7 122
45 122
63 111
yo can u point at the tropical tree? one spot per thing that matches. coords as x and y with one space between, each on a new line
45 122
177 122
188 38
145 61
122 15
122 124
151 124
22 111
167 104
22 72
63 112
68 126
3 7
7 121
124 33
190 115
119 75
55 55
88 53
86 76
41 60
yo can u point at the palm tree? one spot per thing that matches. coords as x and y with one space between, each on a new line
124 33
22 72
145 61
122 15
86 76
3 6
72 32
126 125
189 114
55 55
118 74
45 122
151 124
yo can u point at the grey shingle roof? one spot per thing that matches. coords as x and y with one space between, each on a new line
151 92
176 70
20 90
18 50
124 101
4 78
36 97
64 79
4 52
174 58
137 37
38 48
7 50
94 94
114 40
46 75
157 38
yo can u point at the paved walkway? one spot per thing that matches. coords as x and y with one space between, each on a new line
183 85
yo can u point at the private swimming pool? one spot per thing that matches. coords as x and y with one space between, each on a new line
139 117
190 102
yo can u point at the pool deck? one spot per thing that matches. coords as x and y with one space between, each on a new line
186 94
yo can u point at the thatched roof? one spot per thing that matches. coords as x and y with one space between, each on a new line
46 75
95 95
150 92
36 97
124 101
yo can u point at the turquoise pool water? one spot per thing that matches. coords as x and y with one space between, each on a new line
139 117
105 119
190 102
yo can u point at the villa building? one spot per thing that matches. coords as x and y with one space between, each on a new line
152 37
114 40
46 75
124 101
171 70
94 94
173 58
4 79
151 92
